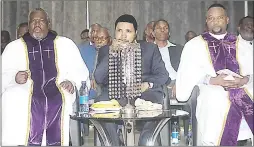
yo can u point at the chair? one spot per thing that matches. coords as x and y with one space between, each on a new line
165 132
189 106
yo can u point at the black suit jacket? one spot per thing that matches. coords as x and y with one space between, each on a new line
175 55
153 67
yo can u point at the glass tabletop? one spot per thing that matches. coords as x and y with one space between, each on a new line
136 115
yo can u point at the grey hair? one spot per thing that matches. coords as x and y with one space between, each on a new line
39 9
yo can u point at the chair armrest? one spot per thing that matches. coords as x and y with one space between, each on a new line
166 101
192 101
193 105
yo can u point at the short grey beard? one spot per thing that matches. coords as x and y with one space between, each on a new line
37 37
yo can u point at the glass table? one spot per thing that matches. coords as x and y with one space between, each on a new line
129 125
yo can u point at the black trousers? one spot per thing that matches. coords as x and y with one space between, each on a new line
146 133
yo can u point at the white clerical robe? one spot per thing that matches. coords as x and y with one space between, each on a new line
213 102
15 97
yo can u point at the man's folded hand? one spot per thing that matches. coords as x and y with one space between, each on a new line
67 85
21 77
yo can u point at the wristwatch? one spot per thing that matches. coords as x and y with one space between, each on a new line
150 85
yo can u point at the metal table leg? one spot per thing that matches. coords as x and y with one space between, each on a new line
165 134
157 130
96 138
129 133
102 133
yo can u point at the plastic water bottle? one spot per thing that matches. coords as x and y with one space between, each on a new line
83 98
175 134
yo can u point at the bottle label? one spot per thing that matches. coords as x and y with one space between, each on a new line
175 138
174 134
84 108
83 99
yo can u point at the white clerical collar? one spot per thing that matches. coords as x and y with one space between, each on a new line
248 42
168 44
221 36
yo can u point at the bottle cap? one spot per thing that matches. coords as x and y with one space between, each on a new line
83 83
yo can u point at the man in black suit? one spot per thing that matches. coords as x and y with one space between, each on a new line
154 73
170 52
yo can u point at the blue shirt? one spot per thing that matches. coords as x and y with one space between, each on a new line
88 53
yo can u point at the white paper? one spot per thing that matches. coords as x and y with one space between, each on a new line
229 78
141 104
230 74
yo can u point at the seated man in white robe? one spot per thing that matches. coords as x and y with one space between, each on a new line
223 99
40 72
245 46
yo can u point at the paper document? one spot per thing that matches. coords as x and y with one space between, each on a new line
230 74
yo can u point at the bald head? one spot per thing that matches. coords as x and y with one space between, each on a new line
95 25
102 38
103 31
93 30
246 28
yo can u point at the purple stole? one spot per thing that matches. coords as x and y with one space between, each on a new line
223 55
46 99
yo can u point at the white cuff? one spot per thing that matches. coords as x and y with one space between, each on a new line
249 82
250 79
205 80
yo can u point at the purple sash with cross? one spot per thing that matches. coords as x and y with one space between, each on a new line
223 56
46 99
